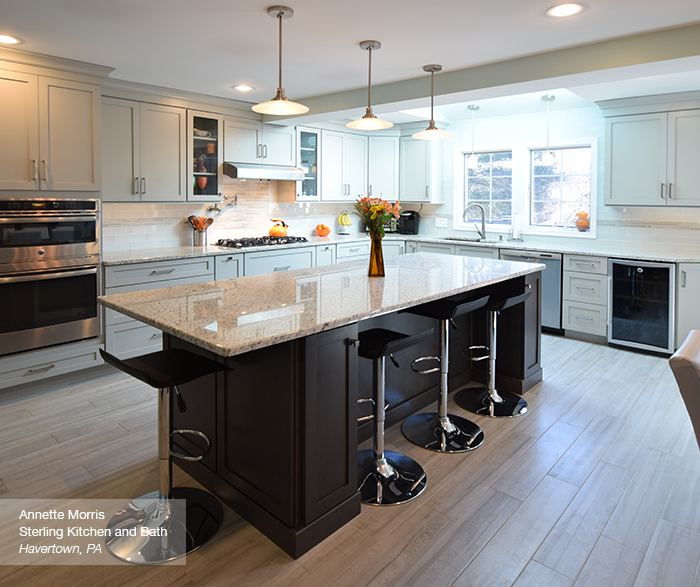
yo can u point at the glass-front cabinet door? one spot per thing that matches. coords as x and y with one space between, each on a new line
308 149
205 146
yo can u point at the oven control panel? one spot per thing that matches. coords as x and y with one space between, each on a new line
47 206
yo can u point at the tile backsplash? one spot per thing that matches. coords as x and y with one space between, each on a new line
148 225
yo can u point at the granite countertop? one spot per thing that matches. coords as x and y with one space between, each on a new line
234 316
587 248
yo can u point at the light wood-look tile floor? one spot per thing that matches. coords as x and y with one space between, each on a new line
598 485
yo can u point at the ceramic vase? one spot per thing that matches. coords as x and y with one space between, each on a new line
376 257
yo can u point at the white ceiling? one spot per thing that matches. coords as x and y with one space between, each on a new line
212 45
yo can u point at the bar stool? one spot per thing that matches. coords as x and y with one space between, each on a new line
487 401
173 529
386 477
443 432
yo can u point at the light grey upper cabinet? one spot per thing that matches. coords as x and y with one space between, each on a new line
254 142
343 166
384 168
651 159
51 130
143 152
421 170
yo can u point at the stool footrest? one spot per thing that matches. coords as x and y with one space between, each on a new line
468 352
188 457
425 371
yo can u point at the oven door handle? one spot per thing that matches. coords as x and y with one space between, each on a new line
53 275
46 219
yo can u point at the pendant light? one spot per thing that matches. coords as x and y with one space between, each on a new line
548 155
280 105
432 132
473 159
369 121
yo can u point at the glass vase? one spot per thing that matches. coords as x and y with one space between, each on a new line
376 257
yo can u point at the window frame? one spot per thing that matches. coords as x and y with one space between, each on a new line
522 189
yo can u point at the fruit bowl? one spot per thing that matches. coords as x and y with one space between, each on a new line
323 230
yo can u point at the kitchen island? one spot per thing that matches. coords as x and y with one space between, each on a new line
283 422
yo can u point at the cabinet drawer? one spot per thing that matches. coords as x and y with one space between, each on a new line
274 261
156 271
586 264
228 266
585 287
132 339
37 365
483 252
587 318
114 317
351 251
325 255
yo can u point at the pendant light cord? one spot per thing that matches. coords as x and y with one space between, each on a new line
279 18
473 113
432 94
548 126
369 79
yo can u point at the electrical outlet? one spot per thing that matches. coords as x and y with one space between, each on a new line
441 223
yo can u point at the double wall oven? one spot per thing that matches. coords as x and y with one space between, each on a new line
49 272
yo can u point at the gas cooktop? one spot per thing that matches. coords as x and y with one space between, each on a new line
259 241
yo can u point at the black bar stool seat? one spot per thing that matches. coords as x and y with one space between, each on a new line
487 401
440 431
179 519
386 477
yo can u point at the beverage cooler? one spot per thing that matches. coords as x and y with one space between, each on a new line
641 304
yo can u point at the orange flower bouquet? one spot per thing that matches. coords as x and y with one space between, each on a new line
377 214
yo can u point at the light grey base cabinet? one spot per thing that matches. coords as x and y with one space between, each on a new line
274 261
687 307
44 363
126 337
584 295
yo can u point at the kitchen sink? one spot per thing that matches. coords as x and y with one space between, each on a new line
467 239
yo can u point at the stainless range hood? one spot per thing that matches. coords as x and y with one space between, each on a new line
259 171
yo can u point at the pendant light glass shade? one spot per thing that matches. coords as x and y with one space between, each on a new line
280 105
432 133
548 155
369 121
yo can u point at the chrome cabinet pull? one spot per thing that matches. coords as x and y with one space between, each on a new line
285 268
264 151
583 317
36 170
682 278
157 335
662 191
136 185
46 169
161 271
40 370
427 191
143 185
670 191
584 287
580 264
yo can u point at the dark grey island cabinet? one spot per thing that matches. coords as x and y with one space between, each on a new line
283 420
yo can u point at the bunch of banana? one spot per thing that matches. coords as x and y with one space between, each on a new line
344 218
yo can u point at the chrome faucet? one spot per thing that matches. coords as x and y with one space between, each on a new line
481 232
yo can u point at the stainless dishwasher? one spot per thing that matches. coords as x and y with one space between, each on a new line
551 283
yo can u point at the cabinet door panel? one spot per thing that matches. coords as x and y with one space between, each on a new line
687 309
332 147
19 127
635 160
163 143
120 150
242 142
683 157
279 145
384 168
414 170
355 166
69 121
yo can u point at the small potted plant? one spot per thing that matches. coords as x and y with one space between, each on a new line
377 214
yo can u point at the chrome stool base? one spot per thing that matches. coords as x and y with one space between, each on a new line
176 528
478 401
453 436
393 481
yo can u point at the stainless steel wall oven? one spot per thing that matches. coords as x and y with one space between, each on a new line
49 272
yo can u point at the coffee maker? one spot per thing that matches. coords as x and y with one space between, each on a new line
408 222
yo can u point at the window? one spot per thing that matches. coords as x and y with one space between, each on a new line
489 182
561 189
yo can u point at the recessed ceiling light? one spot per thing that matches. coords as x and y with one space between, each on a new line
565 10
8 40
243 88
